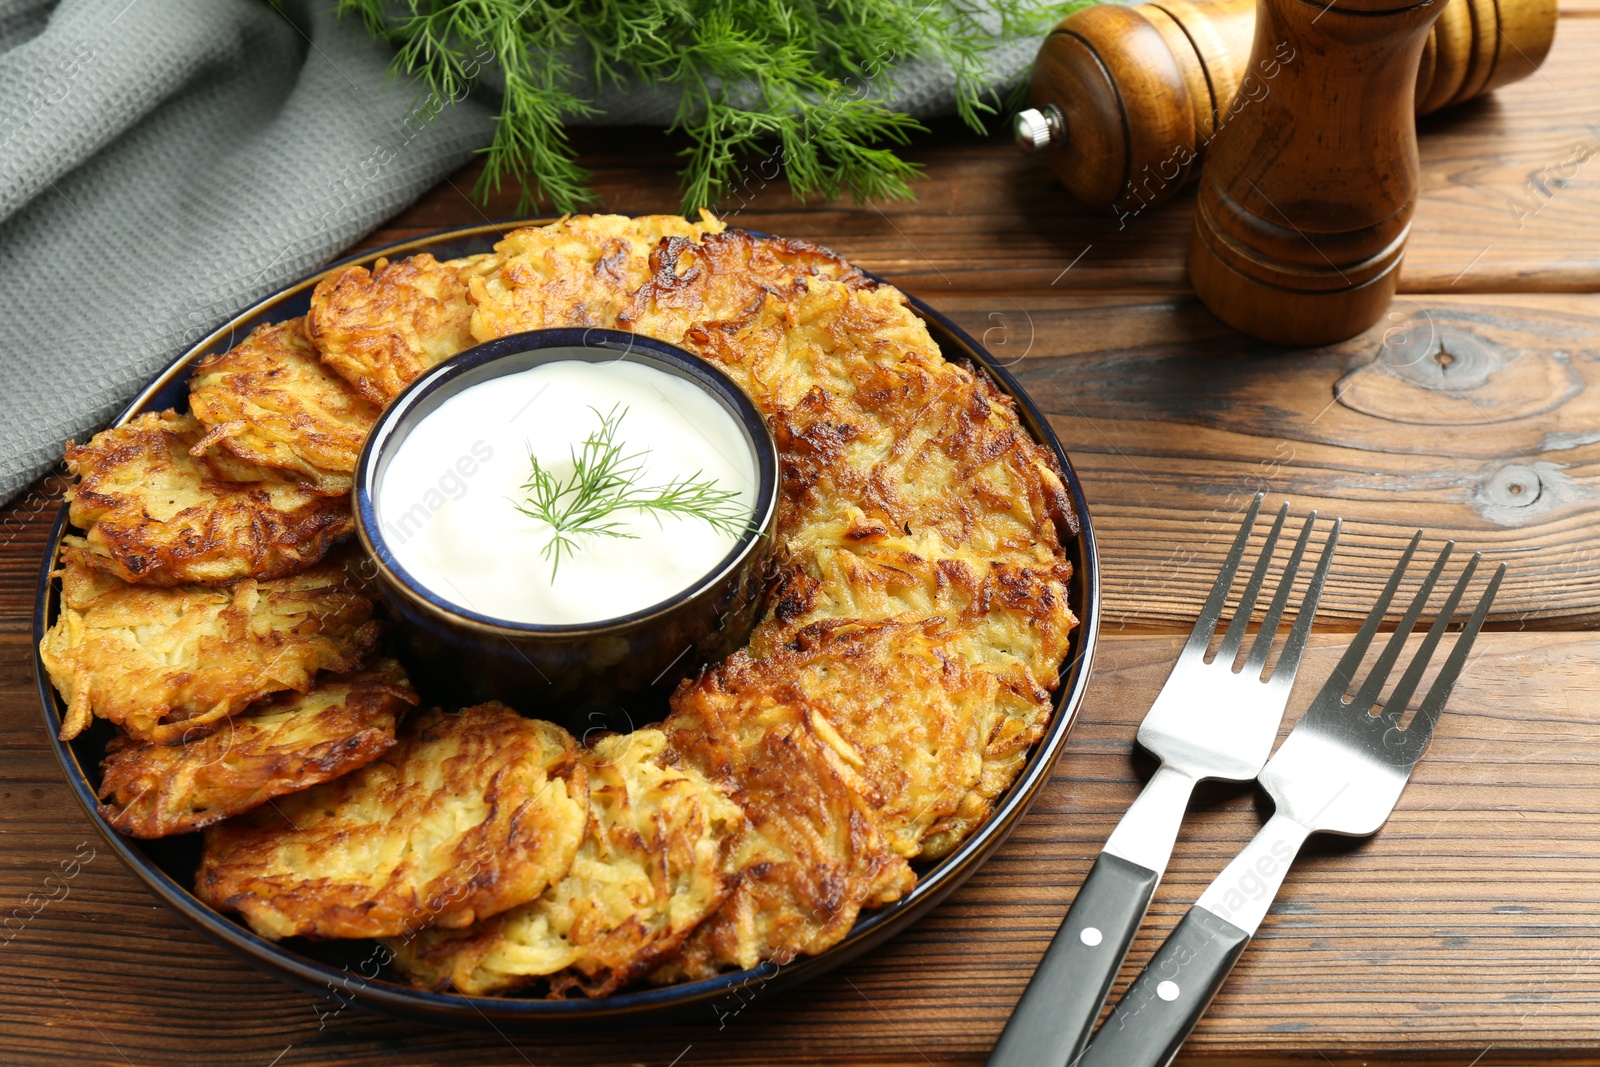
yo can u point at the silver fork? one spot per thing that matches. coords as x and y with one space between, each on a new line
1209 721
1341 770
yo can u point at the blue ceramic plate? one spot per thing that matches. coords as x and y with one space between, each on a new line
355 972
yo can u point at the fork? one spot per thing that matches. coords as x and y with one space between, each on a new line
1210 720
1341 770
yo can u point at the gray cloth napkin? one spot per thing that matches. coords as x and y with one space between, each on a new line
166 163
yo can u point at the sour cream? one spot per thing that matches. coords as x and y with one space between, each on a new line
447 503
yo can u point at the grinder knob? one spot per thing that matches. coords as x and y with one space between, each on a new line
1037 130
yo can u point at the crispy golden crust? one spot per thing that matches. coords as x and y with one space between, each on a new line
472 813
579 271
1014 721
157 515
724 278
653 863
1001 628
270 400
169 663
997 612
380 329
879 434
920 612
278 745
812 852
900 717
910 492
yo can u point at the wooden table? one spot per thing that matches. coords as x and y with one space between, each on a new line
1467 932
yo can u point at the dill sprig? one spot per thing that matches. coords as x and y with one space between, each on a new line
603 483
810 81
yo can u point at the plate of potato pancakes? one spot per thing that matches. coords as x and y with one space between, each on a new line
233 707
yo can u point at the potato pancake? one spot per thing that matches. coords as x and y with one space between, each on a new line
380 329
156 515
1009 625
579 271
270 400
1021 709
1004 612
472 813
280 744
653 863
169 663
724 278
879 434
812 851
901 718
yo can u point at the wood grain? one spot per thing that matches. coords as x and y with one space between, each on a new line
1466 923
1173 422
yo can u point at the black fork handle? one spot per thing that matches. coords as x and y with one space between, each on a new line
1165 1002
1057 1013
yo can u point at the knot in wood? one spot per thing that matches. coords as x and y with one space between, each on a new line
1514 486
1436 356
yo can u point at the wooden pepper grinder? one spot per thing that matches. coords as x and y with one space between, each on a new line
1125 99
1306 197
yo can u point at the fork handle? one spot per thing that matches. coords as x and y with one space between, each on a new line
1158 1011
1162 1006
1058 1010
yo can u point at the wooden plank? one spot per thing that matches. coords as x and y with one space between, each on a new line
987 218
1467 923
1172 422
24 530
1511 183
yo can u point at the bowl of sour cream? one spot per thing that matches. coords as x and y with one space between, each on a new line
567 516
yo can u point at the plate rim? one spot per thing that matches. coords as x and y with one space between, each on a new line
461 1011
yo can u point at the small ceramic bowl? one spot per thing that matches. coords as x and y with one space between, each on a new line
544 669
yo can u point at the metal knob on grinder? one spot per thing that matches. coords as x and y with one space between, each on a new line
1038 130
1126 99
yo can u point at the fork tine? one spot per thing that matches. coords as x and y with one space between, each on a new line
1427 715
1252 589
1396 705
1200 636
1345 670
1368 696
1289 662
1262 645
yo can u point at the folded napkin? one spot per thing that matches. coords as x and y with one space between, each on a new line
165 163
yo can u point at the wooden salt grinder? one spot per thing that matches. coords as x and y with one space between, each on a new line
1306 197
1125 99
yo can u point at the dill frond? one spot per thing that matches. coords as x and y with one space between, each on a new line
603 484
807 81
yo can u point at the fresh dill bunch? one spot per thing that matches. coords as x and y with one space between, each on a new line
604 483
808 81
